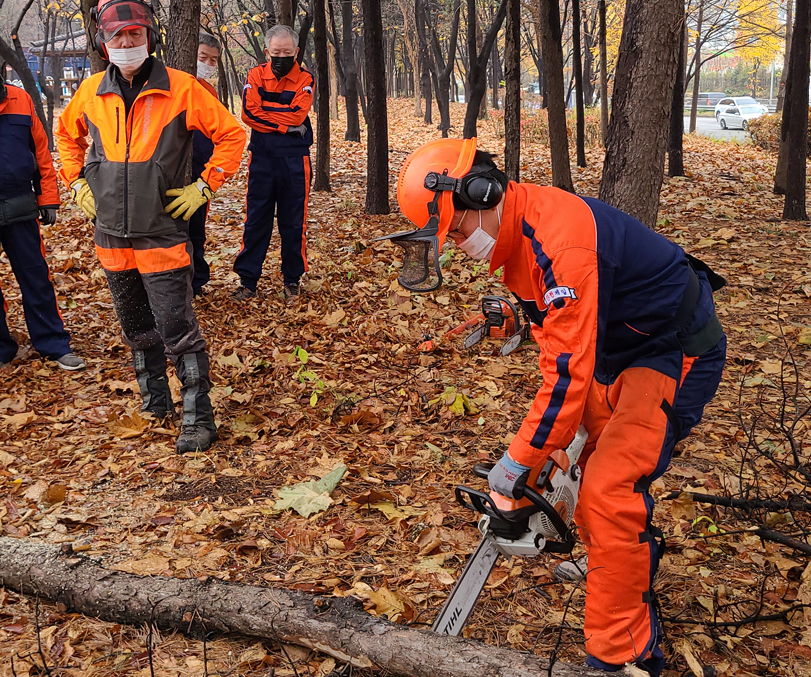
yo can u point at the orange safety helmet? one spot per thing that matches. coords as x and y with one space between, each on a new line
445 157
432 177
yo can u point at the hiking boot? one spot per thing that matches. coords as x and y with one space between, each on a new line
243 294
195 438
150 371
198 430
70 362
572 571
291 292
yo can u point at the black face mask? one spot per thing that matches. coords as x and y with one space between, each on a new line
281 65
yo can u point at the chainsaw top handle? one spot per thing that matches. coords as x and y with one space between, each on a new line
482 503
495 305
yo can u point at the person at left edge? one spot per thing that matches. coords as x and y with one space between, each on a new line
208 56
28 190
140 116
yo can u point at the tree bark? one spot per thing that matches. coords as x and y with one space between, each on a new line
637 135
350 73
201 607
553 60
284 12
477 68
512 95
781 89
424 59
697 73
97 63
603 72
675 154
377 156
444 65
577 48
182 34
322 152
794 127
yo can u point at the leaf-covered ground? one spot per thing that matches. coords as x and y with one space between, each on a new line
338 379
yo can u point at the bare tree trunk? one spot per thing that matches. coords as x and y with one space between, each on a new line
377 156
512 95
443 66
781 90
97 63
198 607
697 70
477 68
350 74
333 83
637 136
580 140
424 59
49 33
284 12
675 155
322 153
182 35
795 114
553 60
603 72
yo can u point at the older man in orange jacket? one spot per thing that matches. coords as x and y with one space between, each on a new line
141 117
276 101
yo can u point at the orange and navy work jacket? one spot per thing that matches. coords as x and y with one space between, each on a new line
25 162
134 159
270 106
602 292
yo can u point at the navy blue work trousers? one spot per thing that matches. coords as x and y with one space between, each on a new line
277 186
26 254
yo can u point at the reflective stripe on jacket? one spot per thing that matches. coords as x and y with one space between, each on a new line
133 160
270 106
602 290
26 164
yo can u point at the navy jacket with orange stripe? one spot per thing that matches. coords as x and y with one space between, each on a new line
135 159
602 291
25 161
270 106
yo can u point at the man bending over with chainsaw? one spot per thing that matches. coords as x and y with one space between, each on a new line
630 347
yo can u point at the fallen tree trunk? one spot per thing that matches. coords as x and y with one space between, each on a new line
199 607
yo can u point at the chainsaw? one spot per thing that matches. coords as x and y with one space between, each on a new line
501 320
546 529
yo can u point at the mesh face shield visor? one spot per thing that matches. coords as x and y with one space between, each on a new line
421 270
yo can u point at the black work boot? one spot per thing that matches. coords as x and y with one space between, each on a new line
198 431
150 370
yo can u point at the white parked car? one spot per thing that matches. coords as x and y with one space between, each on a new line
734 112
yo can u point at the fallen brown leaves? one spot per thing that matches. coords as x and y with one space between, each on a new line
80 465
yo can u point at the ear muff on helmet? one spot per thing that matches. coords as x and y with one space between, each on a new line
101 47
477 190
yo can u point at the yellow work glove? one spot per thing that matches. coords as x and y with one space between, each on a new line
83 196
188 200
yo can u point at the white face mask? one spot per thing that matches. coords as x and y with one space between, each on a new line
204 71
480 244
130 59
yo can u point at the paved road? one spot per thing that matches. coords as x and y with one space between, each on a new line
709 127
